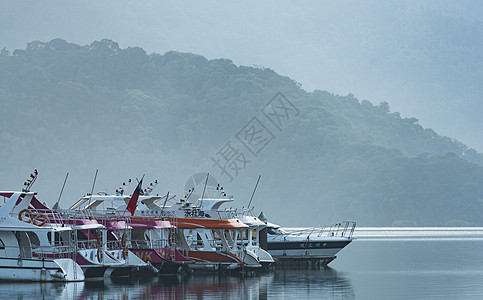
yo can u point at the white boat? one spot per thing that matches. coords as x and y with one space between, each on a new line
323 243
23 236
251 239
99 252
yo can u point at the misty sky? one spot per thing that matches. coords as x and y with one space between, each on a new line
377 50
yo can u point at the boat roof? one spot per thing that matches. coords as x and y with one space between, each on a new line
113 224
149 201
11 212
116 202
213 203
16 201
151 223
193 223
271 225
96 200
89 226
251 221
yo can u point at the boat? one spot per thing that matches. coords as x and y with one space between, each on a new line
211 244
99 251
318 243
249 246
115 241
27 242
252 238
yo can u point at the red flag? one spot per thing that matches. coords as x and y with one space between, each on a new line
131 207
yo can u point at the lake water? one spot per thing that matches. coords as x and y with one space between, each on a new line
383 263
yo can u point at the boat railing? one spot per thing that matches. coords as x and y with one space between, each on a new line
57 217
91 244
26 252
224 214
213 243
55 251
145 244
113 245
244 211
341 229
230 213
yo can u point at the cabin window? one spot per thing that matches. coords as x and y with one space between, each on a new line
34 240
254 235
81 236
56 240
2 245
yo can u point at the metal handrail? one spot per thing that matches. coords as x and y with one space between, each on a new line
341 229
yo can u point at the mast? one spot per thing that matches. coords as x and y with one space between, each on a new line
256 185
93 184
56 205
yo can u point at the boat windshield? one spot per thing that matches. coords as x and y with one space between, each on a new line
276 231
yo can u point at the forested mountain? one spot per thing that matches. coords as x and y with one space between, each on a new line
422 57
323 157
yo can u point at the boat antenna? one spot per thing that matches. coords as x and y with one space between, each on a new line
259 176
93 184
166 200
56 205
204 188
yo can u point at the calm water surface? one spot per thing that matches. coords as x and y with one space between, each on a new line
383 263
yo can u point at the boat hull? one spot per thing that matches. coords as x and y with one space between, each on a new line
40 270
212 260
306 248
160 259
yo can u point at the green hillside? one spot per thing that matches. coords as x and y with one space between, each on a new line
329 157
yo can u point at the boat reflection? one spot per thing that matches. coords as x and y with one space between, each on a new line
327 283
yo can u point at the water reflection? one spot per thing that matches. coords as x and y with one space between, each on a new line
324 283
31 291
321 284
